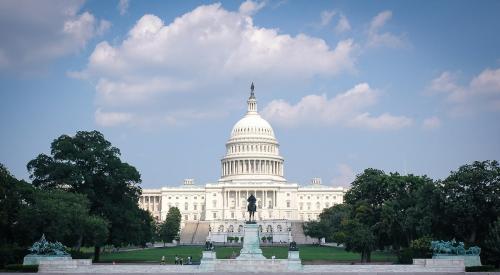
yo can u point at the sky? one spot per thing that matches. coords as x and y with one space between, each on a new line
401 86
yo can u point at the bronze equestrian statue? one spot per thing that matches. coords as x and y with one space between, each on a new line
252 208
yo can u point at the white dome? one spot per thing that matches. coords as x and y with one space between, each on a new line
252 151
252 125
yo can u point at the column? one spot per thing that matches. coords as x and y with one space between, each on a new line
265 198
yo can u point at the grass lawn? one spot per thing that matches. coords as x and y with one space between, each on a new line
308 254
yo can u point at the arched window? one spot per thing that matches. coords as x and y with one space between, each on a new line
221 228
230 229
269 228
240 228
279 228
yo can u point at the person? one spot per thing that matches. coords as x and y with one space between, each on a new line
180 261
162 260
176 259
189 260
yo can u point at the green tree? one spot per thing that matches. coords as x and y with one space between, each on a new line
492 244
316 229
471 200
88 164
169 229
358 237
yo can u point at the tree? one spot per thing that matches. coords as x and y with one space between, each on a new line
169 229
88 164
471 200
359 238
492 243
315 229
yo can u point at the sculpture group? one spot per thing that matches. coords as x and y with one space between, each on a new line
44 247
453 248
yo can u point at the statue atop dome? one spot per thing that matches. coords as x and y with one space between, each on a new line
252 95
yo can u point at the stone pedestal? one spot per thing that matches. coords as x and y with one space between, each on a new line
251 248
294 263
208 261
35 259
469 260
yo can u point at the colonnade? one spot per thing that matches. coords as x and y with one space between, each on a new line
150 203
243 194
252 166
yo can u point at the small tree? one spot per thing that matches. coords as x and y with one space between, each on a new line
169 229
230 239
269 238
263 239
236 239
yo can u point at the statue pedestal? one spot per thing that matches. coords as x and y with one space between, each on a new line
31 259
251 248
469 260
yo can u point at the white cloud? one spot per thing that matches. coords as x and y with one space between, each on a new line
382 122
110 119
345 176
35 32
207 47
343 25
326 17
482 93
383 39
250 7
345 109
123 6
431 123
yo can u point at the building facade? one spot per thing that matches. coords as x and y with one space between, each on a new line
252 165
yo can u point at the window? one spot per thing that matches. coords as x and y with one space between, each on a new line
214 194
308 197
195 197
202 197
185 206
317 197
195 207
186 198
317 206
301 206
288 204
301 197
195 217
232 215
176 198
308 206
327 205
169 198
203 206
214 203
215 215
186 217
334 197
288 194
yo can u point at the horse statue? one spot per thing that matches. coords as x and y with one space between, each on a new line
252 208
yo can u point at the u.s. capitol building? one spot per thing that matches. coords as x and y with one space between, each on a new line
252 165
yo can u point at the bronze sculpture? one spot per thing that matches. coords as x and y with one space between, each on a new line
252 208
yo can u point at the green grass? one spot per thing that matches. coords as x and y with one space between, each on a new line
308 254
311 253
154 254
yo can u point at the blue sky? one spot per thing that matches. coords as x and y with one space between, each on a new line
400 86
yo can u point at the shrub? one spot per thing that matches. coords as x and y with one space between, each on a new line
269 238
80 255
230 239
421 247
236 239
480 268
405 256
21 268
263 239
10 254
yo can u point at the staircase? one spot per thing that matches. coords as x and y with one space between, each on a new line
194 233
298 234
187 232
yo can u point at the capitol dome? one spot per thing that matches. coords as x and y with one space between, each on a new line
252 151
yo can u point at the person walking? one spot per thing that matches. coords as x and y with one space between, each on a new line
162 260
176 259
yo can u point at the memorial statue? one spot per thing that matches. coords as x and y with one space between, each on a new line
453 248
43 247
252 208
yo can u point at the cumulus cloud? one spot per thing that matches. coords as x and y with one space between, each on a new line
431 123
35 32
123 6
326 17
342 25
206 47
376 38
482 93
345 176
250 7
109 119
346 109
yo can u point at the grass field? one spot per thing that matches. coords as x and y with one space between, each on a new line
308 254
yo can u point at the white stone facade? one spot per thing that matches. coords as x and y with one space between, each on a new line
252 165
